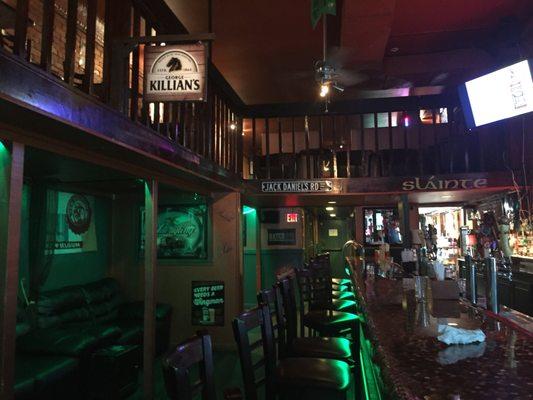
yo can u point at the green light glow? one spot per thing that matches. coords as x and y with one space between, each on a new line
247 210
2 147
370 372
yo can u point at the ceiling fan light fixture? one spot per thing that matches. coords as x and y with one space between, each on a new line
324 90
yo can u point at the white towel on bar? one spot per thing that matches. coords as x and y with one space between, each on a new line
451 335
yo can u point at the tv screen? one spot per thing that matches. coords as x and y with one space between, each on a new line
502 94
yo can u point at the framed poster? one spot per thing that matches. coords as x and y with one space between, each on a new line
181 232
175 73
74 229
207 303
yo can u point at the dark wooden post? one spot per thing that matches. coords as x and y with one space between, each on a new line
11 181
307 154
405 228
21 28
90 44
240 146
150 264
70 41
267 137
254 149
118 26
48 35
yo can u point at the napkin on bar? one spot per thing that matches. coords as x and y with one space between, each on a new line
451 335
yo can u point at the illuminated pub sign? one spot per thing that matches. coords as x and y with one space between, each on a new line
175 73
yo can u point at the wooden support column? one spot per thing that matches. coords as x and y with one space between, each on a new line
11 181
405 225
258 269
150 264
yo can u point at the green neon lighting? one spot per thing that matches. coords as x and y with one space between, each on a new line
2 147
247 210
370 372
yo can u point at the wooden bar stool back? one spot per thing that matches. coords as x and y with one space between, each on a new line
178 367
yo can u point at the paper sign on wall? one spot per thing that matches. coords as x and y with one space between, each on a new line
333 232
207 303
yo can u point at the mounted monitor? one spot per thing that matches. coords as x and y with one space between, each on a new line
502 94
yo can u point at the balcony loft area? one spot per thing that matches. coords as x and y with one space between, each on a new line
364 137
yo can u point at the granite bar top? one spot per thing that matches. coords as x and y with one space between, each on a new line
415 365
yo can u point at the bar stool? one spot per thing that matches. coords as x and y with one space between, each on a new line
315 291
291 378
321 347
326 322
322 265
177 364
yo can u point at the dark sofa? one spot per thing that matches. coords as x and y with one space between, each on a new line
70 324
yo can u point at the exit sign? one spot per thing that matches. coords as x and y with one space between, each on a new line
292 217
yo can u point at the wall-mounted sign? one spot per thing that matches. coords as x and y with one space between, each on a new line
181 232
207 305
433 183
292 218
175 73
296 186
281 237
75 231
333 232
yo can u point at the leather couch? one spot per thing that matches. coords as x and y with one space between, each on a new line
71 323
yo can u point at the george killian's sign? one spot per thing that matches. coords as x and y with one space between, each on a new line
175 73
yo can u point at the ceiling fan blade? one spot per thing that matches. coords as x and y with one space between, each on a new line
340 56
349 78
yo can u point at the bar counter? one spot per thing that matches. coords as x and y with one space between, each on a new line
414 365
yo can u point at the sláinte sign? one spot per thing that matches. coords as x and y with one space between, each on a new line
175 73
296 186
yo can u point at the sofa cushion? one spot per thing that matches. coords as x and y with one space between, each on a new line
32 373
132 331
72 340
24 380
57 301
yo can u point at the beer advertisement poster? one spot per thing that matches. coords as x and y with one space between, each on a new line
207 303
181 232
175 73
74 227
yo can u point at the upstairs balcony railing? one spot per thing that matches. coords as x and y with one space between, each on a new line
97 47
379 144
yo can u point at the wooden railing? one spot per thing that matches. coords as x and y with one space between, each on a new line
378 144
97 47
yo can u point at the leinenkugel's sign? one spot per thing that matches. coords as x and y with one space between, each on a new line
296 186
175 73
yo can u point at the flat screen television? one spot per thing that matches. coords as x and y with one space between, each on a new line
502 94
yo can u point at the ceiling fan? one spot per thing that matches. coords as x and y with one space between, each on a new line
329 73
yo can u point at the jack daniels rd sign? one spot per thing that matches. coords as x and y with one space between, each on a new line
296 186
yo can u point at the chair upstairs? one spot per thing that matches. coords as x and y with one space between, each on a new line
178 364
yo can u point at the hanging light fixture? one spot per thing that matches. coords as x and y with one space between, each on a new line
324 90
